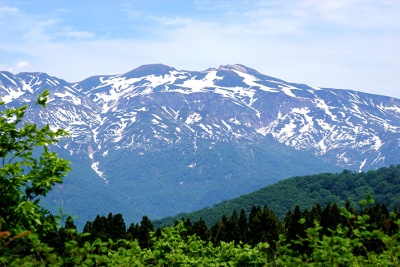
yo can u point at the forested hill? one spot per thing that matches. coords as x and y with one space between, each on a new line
383 184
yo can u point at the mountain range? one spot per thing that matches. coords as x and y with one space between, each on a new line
159 141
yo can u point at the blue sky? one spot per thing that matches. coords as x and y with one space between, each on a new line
349 44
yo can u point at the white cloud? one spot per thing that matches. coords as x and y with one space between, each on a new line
358 14
313 42
8 9
167 21
78 34
39 31
21 65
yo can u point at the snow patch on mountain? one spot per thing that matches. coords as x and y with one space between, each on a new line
251 81
193 118
288 91
322 105
157 106
196 85
95 167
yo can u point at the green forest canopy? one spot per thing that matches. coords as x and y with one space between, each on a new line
383 184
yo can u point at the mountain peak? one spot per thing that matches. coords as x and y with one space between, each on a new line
240 68
36 75
149 69
237 67
203 135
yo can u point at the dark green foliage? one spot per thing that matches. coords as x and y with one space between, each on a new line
100 228
255 225
314 216
295 229
144 232
243 228
65 234
272 228
133 232
200 229
113 227
308 190
330 218
379 219
118 227
233 227
292 244
88 228
51 236
68 232
219 231
28 171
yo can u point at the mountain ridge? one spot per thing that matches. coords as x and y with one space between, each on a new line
245 86
233 113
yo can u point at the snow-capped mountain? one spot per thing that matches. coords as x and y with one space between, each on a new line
156 108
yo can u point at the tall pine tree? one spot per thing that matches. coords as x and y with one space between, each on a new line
144 232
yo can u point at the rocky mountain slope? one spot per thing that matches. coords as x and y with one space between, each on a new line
185 139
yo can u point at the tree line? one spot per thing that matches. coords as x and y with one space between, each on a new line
261 225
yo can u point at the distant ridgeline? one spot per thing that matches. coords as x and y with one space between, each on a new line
161 141
305 191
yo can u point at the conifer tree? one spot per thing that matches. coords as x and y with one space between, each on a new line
314 216
379 218
188 226
133 232
243 226
233 227
110 224
330 218
66 233
219 232
295 229
271 227
144 232
255 225
88 228
200 229
99 228
118 230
